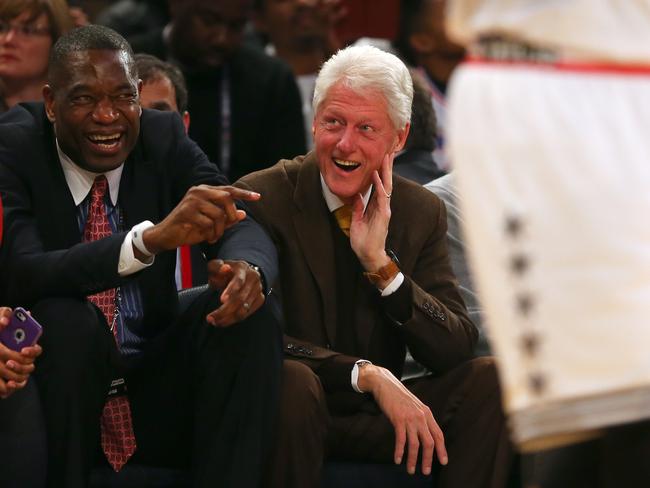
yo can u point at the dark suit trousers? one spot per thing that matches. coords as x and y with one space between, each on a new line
465 402
202 398
22 440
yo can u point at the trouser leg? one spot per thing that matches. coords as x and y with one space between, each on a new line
480 452
233 430
206 397
22 439
73 375
299 443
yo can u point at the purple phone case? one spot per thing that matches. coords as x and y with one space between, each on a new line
22 331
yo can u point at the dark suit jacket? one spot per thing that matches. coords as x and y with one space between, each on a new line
42 252
266 121
417 165
437 330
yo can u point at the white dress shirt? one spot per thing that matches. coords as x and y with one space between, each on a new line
80 181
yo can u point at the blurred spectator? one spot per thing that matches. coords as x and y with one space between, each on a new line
300 32
79 16
245 105
446 189
136 20
416 161
28 29
423 43
164 88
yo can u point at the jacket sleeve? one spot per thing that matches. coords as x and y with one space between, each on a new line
428 308
246 241
33 272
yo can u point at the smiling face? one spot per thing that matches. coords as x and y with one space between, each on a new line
93 103
352 135
24 57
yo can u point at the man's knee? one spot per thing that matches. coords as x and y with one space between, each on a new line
299 443
73 331
303 404
483 373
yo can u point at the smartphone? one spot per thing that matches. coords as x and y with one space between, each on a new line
22 331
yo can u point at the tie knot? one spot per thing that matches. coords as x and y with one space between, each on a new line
344 218
98 190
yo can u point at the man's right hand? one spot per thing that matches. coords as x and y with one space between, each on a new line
203 214
412 420
15 367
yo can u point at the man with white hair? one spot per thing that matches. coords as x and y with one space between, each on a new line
358 289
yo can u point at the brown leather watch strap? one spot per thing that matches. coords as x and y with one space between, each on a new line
384 273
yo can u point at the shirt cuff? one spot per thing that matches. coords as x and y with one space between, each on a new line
128 263
354 376
393 285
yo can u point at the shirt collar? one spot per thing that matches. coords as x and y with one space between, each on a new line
334 202
80 180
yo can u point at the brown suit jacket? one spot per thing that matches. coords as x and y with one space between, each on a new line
436 330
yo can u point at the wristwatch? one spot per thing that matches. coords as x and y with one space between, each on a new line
386 272
256 268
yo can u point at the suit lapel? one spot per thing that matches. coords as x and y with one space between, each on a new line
63 230
310 218
138 189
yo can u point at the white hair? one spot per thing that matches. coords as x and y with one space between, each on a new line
361 67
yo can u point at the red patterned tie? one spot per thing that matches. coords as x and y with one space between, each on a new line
118 439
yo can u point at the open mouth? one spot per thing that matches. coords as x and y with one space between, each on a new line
105 143
347 166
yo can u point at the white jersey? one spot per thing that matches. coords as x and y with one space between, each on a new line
577 30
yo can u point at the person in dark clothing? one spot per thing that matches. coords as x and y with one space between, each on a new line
123 377
245 105
416 161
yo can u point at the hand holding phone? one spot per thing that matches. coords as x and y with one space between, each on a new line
18 349
22 331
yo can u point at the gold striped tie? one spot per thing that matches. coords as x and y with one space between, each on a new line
344 218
